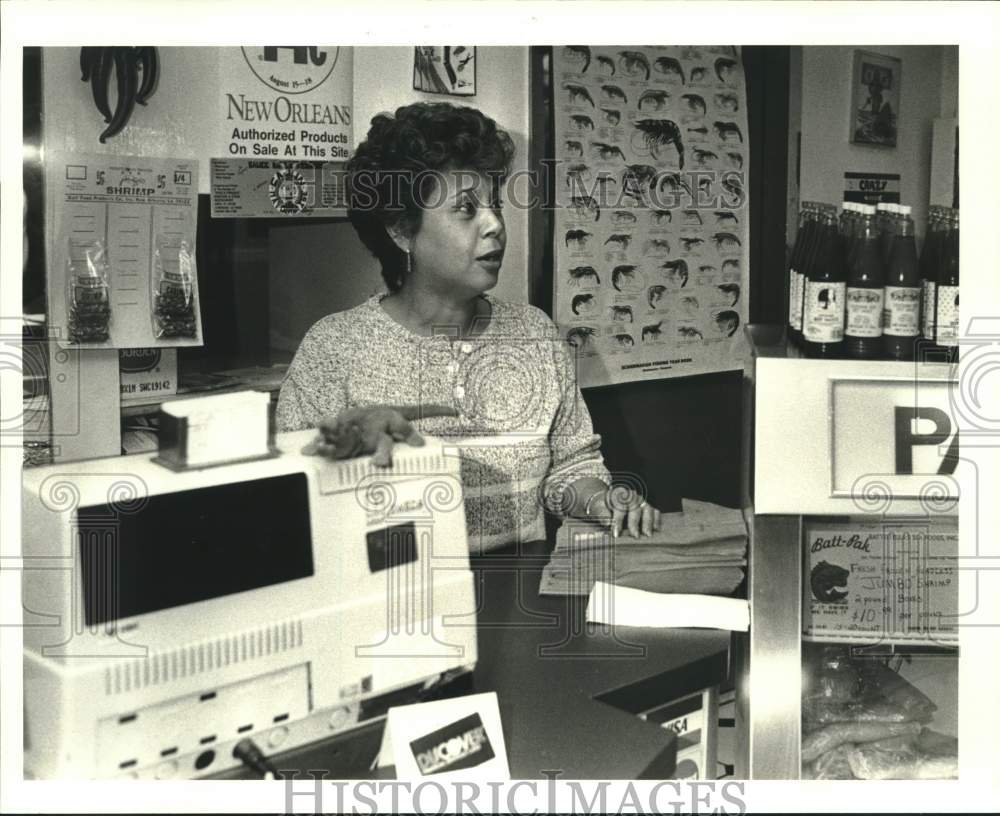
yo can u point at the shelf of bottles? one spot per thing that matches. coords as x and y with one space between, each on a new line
858 289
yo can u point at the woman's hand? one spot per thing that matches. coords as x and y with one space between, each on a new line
624 510
633 516
372 430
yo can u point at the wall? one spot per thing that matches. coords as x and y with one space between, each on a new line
927 91
316 270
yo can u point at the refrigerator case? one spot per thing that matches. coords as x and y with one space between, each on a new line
850 667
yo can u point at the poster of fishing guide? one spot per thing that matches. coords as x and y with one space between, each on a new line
651 224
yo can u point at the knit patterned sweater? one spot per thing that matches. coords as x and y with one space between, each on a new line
523 430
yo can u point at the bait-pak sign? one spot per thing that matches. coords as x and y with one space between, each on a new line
894 581
287 103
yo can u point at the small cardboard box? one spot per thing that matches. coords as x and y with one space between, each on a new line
894 581
147 373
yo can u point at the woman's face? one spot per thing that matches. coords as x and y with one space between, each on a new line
460 242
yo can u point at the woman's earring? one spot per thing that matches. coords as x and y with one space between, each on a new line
409 263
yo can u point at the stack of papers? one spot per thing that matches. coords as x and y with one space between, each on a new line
701 550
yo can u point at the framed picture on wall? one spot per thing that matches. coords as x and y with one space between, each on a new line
445 69
875 99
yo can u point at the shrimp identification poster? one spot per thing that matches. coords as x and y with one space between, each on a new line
651 224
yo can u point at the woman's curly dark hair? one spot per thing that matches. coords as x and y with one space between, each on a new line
392 173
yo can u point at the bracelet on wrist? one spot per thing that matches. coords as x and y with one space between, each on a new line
600 494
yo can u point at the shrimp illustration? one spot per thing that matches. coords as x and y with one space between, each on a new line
691 242
621 239
707 269
651 332
636 179
622 217
658 218
690 304
633 62
724 69
727 322
726 241
657 247
698 75
727 101
577 93
578 53
726 217
697 133
692 218
577 171
732 290
621 314
676 272
611 116
623 274
672 184
654 100
654 295
624 340
580 336
657 134
689 333
732 184
606 65
577 237
580 275
606 152
704 157
614 94
725 130
736 160
582 303
731 267
695 103
581 122
669 66
573 149
585 207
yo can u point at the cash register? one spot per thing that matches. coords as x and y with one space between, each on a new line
170 617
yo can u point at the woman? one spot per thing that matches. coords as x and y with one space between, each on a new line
491 376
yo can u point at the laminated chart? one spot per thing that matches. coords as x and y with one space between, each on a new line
651 221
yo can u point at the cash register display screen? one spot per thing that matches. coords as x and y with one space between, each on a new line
179 548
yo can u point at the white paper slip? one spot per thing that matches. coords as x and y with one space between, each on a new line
624 606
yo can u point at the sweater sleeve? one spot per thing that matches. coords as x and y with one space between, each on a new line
575 448
315 385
